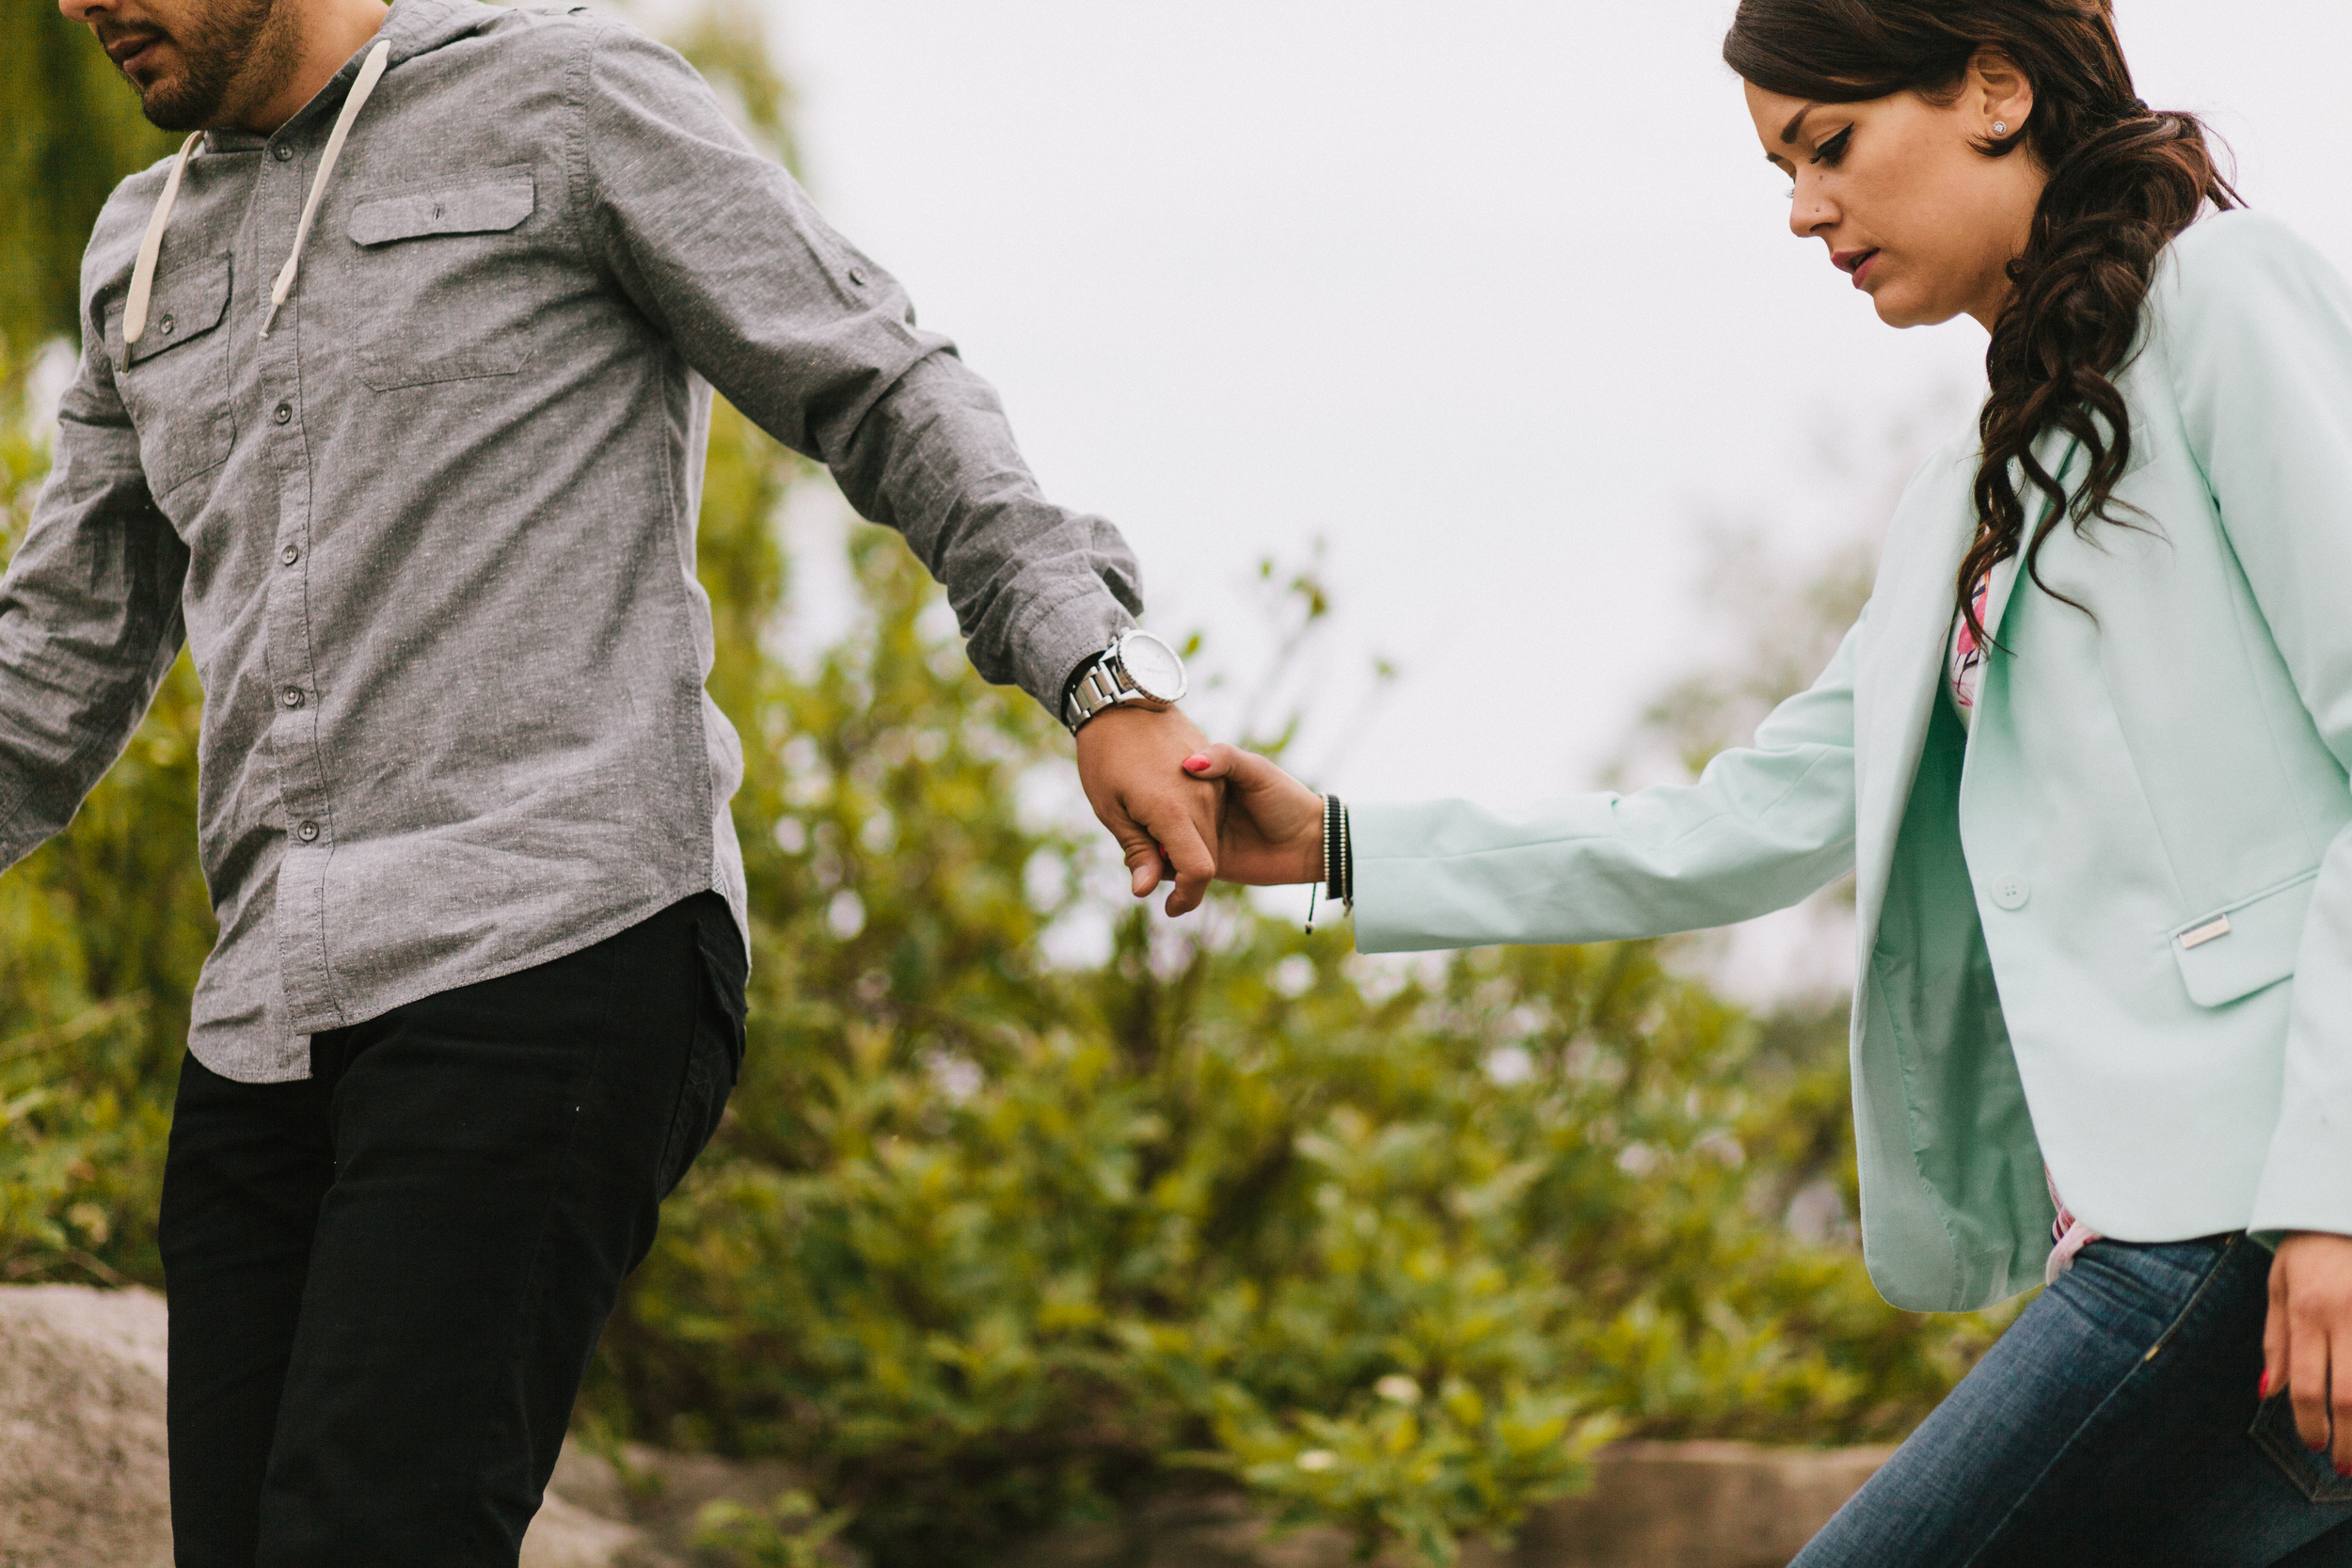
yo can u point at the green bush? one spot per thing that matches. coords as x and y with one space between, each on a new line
985 1245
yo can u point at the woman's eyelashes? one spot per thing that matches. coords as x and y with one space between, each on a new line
1833 151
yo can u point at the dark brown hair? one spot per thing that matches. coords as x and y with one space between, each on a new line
2124 179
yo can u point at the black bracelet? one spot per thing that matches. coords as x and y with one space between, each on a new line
1339 857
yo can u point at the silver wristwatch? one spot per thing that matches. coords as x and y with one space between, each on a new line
1137 670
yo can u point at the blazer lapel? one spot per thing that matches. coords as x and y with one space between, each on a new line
1902 674
1896 684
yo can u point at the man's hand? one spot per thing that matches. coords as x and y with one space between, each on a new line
1273 829
1131 765
2307 1342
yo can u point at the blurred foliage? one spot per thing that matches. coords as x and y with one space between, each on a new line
986 1244
791 1532
72 130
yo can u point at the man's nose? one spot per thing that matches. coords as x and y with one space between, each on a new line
81 11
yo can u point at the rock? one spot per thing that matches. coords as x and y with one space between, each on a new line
84 1478
1652 1505
1695 1505
1209 1529
663 1494
84 1473
565 1535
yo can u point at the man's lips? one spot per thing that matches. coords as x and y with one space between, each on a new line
1856 263
127 52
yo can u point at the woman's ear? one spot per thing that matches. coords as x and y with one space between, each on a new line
2000 92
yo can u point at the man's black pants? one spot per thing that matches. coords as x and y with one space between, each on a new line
386 1280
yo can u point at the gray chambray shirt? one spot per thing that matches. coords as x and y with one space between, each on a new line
431 541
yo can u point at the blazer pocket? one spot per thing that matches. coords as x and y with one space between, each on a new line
2239 949
174 381
436 344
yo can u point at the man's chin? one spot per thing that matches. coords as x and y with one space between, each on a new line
168 104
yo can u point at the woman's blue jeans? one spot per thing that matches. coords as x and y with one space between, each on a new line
2117 1422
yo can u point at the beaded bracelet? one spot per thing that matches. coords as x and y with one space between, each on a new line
1338 862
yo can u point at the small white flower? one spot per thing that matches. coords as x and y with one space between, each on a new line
1509 1065
1397 1386
1294 976
1637 1160
1317 1459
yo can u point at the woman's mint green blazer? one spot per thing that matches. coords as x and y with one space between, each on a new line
2110 925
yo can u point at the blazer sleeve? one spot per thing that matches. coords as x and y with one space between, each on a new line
1764 827
2259 344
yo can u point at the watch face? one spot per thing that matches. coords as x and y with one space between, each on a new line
1153 665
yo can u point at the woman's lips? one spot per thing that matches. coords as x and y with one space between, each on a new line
1861 269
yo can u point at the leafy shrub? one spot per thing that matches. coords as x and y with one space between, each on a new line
985 1244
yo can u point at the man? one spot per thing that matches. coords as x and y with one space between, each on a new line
392 404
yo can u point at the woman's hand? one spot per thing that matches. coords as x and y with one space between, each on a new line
1272 828
2309 1334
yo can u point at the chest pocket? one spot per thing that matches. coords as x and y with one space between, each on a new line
174 381
438 255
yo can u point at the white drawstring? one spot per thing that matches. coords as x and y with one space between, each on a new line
369 73
151 248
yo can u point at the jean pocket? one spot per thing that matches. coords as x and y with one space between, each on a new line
2313 1474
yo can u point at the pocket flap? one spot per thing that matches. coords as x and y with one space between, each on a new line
2239 949
186 302
488 205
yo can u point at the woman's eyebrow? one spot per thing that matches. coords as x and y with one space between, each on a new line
1796 124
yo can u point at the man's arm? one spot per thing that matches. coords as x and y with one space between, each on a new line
817 344
89 615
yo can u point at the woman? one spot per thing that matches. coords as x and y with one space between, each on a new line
2087 751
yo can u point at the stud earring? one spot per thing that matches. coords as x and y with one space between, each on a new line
2000 126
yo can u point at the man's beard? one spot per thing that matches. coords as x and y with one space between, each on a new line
216 53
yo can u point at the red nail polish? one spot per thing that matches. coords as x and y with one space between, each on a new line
2344 1470
2262 1390
1194 765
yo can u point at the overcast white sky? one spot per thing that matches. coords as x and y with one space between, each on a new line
1496 297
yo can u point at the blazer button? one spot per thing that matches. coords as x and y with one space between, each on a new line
2012 891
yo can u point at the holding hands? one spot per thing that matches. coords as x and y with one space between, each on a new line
1272 831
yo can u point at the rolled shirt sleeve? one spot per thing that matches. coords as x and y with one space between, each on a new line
89 614
722 249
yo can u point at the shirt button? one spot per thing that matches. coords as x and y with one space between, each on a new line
292 696
282 413
164 327
2012 891
291 554
857 275
308 832
281 152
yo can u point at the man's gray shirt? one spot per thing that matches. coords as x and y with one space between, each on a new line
431 541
